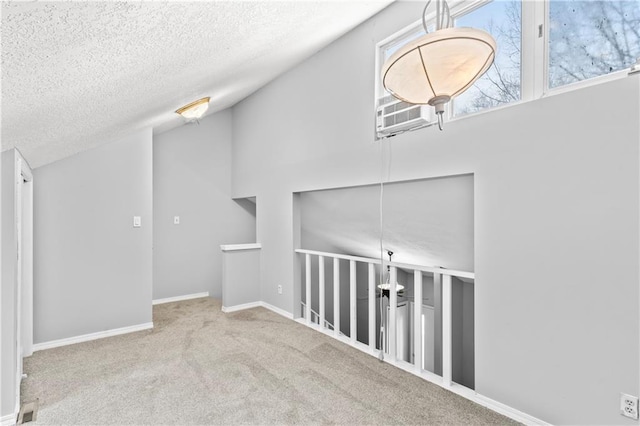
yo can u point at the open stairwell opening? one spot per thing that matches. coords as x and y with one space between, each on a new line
435 340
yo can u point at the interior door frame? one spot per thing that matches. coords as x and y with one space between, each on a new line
27 260
24 265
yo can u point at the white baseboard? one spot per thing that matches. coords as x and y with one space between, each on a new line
510 412
241 307
277 310
227 309
180 298
91 336
9 420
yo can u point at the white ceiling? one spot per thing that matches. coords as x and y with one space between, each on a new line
79 74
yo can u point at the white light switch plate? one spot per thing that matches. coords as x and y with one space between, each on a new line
137 222
176 220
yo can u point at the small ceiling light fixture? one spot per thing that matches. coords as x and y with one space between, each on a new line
440 65
194 110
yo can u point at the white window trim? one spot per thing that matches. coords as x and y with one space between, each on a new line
532 80
593 81
534 61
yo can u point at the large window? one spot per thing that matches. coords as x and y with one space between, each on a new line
561 42
588 39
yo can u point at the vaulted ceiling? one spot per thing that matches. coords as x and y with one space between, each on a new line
79 74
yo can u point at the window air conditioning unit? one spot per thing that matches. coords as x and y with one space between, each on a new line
394 116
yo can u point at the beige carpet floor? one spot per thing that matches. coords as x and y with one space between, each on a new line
200 366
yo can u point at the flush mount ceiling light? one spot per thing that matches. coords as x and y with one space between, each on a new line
440 65
194 110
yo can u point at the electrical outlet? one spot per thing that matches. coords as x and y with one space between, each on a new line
629 406
279 289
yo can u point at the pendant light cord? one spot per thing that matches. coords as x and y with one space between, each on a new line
381 206
381 212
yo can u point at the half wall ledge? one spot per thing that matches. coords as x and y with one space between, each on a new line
240 274
238 247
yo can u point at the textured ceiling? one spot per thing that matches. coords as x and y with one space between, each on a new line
426 222
79 74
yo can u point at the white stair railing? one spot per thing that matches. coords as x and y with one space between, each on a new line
313 319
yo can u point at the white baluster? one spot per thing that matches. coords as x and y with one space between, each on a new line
393 307
336 296
446 330
417 320
353 307
372 306
307 308
321 290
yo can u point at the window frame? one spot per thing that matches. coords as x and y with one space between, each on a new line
534 59
550 91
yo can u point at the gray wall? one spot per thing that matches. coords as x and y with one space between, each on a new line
8 287
556 215
192 179
92 268
240 277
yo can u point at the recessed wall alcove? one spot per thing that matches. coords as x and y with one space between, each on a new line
428 222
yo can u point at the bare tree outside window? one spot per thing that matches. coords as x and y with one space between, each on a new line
591 38
587 38
501 84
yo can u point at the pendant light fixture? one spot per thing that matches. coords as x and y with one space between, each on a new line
385 287
438 66
194 110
